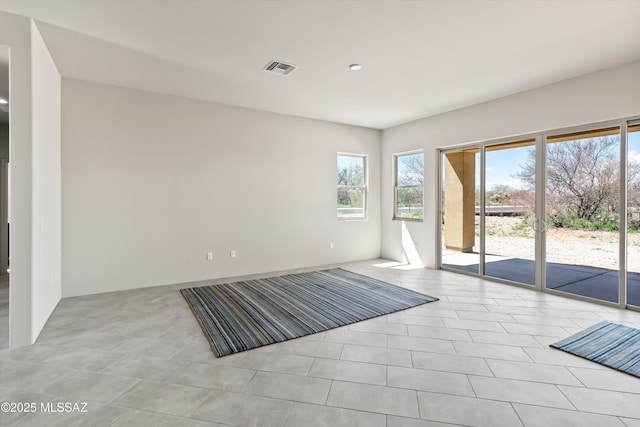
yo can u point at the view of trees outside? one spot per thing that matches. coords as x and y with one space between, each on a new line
410 186
351 181
582 182
582 205
582 201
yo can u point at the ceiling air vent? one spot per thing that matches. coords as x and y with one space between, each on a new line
278 67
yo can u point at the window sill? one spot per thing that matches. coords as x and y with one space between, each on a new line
399 218
352 219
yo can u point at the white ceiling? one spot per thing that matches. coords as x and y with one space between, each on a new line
420 58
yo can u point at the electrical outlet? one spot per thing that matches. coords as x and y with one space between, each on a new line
209 256
232 254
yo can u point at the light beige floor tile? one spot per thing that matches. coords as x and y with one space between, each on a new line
371 398
607 379
284 363
151 419
551 356
544 320
358 338
367 373
439 333
430 311
393 421
211 376
412 319
88 386
528 304
144 367
36 353
446 305
490 317
289 387
383 356
521 328
380 328
310 348
304 414
172 399
12 414
533 372
475 325
424 380
472 300
573 314
30 377
519 391
466 411
517 340
544 341
603 402
84 358
95 415
243 410
202 353
585 323
450 363
494 351
538 416
421 344
148 347
515 310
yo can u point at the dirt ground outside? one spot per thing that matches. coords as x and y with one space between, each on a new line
505 236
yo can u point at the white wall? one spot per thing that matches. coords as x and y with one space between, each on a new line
15 33
151 183
606 95
46 252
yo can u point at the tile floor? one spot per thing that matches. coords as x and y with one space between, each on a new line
477 357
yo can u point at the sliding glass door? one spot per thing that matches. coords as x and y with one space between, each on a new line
509 211
559 211
582 203
488 210
633 215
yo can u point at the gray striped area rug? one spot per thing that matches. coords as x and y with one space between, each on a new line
609 344
244 315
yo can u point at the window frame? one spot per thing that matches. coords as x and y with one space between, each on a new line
396 187
364 188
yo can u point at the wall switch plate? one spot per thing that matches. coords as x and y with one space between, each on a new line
209 256
331 245
232 254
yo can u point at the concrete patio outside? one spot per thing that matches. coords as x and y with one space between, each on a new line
592 282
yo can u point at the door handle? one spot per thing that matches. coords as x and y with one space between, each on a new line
541 227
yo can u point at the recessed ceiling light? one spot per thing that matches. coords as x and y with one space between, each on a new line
355 67
3 101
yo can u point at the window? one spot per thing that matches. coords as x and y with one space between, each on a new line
409 170
352 186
